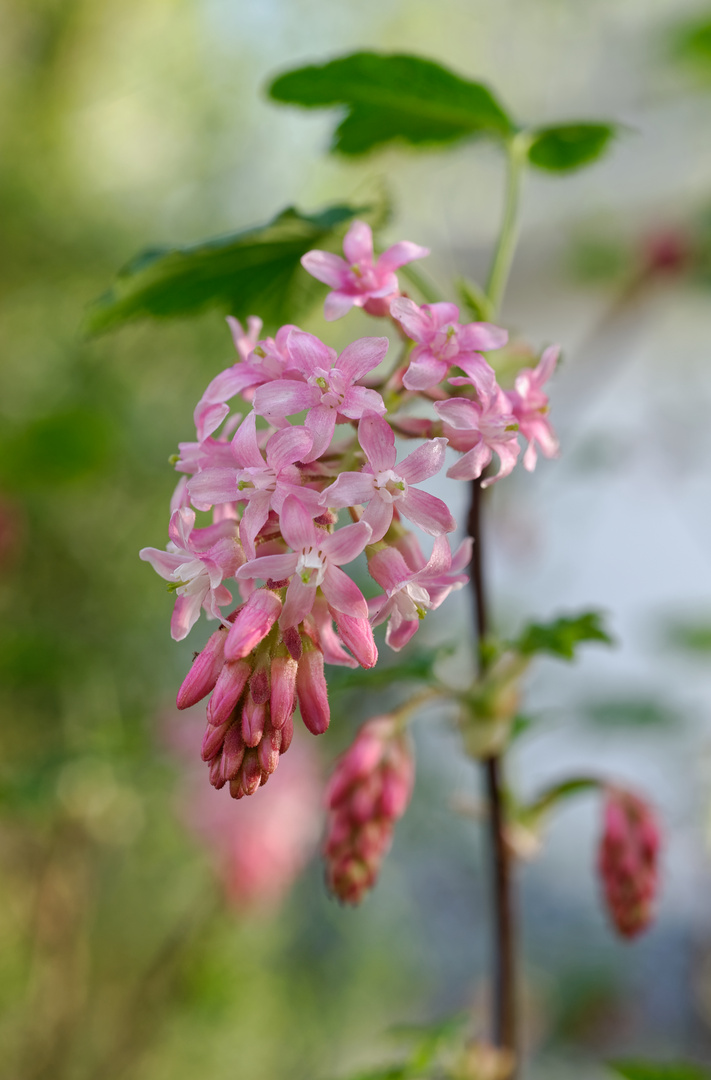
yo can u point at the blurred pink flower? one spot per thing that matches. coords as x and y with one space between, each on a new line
257 846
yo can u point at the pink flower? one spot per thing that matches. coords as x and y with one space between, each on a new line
196 563
410 592
628 861
357 280
211 410
314 563
529 405
482 429
386 488
369 790
442 342
330 389
264 484
259 848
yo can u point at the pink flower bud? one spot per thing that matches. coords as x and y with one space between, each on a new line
369 790
204 672
283 689
287 734
253 720
253 623
259 684
312 691
214 738
357 635
227 692
628 861
233 753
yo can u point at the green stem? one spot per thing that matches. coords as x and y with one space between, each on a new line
508 234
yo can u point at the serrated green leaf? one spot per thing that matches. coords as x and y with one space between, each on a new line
651 1070
561 636
255 272
565 147
394 97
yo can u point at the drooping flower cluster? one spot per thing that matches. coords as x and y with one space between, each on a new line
628 861
312 440
368 791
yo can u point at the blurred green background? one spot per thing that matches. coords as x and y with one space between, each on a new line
124 124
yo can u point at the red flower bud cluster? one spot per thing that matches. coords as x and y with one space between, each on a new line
369 790
628 861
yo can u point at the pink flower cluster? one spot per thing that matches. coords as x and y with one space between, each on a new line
368 791
305 478
628 861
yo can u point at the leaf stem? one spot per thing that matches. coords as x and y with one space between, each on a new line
517 150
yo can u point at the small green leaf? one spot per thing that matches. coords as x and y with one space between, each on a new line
561 636
693 637
565 147
652 1070
256 272
391 97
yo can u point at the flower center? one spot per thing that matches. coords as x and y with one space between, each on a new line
311 566
390 486
332 385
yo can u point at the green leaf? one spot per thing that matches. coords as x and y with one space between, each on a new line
630 712
565 147
693 637
256 272
652 1070
389 97
561 636
691 44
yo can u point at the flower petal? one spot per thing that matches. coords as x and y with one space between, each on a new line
245 446
214 486
346 545
337 304
321 424
361 356
185 614
309 353
343 594
379 515
297 526
284 397
378 440
254 517
399 254
287 446
423 462
350 489
360 400
268 567
164 563
481 336
472 464
426 511
425 371
299 601
358 243
326 267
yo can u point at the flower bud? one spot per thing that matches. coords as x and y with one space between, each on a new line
204 673
254 621
283 689
628 861
369 790
312 691
227 692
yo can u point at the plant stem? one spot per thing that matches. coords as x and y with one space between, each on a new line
503 256
504 936
504 966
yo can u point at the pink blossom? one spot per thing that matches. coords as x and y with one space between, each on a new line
357 280
386 488
628 861
369 790
331 388
196 563
410 592
211 410
258 848
252 623
482 428
442 342
529 405
264 484
314 563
